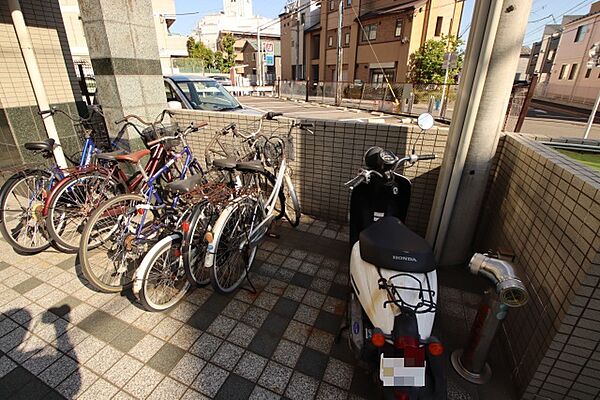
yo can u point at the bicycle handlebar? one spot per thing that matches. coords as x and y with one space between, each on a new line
158 120
192 127
54 110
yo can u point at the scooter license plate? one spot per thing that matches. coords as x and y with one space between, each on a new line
392 372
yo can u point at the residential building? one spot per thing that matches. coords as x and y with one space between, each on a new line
571 78
521 73
543 51
250 54
378 37
169 45
236 16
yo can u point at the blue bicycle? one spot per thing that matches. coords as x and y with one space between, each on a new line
24 194
121 230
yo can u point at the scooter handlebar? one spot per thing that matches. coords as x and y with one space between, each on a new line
427 157
354 182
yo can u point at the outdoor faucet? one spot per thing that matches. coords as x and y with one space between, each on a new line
511 290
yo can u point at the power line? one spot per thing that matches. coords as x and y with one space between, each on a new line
574 8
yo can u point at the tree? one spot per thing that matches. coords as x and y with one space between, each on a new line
227 45
200 51
426 64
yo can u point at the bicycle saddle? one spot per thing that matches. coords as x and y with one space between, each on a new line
110 156
43 145
134 157
185 185
250 166
225 163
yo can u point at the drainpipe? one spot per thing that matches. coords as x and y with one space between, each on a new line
35 77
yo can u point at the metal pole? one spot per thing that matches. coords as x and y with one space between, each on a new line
298 64
592 116
526 103
445 85
477 119
258 58
35 77
338 61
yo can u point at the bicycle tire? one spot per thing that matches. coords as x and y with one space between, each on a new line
150 272
292 204
194 244
94 228
229 233
36 222
70 206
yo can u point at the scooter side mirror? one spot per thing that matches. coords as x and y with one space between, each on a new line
425 121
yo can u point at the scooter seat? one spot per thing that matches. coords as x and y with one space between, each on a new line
390 244
225 163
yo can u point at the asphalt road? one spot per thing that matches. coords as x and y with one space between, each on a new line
559 121
542 118
317 111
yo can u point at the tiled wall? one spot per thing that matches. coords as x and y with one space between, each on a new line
19 121
333 155
545 207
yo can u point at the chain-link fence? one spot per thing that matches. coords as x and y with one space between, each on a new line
398 98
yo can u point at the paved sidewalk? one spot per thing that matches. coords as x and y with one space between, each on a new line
60 339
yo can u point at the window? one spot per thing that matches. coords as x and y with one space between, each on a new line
581 31
588 72
330 41
398 31
171 96
332 5
563 71
293 44
550 55
438 26
369 33
302 18
347 38
348 2
574 70
378 76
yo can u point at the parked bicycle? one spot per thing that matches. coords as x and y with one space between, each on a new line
24 194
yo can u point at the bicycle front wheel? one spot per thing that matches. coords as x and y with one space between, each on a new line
22 200
231 254
110 248
292 204
160 280
71 205
194 244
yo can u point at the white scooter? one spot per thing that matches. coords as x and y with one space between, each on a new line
393 276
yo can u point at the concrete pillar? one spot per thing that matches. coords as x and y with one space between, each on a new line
122 42
476 126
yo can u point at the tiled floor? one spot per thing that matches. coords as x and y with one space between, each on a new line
58 338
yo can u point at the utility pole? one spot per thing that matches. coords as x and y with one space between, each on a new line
482 99
444 88
298 63
338 61
594 61
258 58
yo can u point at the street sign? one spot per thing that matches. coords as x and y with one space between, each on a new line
270 59
269 47
450 60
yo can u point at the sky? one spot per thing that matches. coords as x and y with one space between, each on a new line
542 12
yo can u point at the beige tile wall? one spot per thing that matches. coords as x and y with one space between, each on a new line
325 161
545 207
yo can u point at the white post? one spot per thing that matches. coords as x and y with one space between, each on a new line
338 64
258 59
592 116
445 85
35 77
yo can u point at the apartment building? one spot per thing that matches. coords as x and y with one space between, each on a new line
571 78
169 45
378 37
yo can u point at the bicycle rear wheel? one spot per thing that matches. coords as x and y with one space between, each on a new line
22 200
110 249
71 205
194 244
160 280
232 254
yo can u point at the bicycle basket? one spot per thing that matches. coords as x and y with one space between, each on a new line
95 129
152 133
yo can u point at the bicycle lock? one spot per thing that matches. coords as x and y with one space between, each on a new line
510 292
